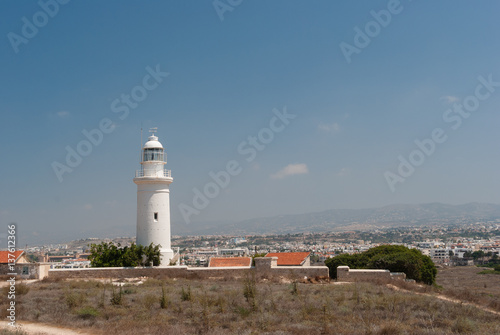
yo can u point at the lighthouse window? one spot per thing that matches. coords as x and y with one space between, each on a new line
156 216
153 154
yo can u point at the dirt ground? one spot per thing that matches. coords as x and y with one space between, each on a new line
40 329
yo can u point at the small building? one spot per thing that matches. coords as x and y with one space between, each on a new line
233 252
440 255
84 255
18 255
217 262
292 258
21 267
59 259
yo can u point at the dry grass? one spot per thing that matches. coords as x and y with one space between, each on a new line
7 331
246 307
464 283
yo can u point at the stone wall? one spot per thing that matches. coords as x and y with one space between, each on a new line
344 273
27 270
398 275
265 268
92 273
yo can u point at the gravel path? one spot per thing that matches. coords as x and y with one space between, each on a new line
445 298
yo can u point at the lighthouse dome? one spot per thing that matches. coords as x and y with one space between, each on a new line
153 142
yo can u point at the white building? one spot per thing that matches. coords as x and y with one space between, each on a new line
440 255
153 199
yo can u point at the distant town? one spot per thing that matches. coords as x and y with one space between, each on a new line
470 244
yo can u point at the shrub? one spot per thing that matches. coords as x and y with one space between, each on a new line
74 299
295 288
103 297
87 312
116 298
243 311
149 300
129 290
163 298
462 325
22 289
250 291
186 295
396 258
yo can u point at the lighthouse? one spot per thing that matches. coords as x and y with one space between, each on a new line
153 198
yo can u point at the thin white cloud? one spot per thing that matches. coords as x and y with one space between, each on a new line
88 207
449 99
290 170
332 127
344 172
63 114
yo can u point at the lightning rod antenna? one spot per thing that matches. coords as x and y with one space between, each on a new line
141 142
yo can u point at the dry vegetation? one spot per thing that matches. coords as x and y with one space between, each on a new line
465 283
246 307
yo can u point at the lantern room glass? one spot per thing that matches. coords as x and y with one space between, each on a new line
153 154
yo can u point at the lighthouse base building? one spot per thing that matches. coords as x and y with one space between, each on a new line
153 199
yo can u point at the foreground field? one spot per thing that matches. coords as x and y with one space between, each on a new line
246 307
464 282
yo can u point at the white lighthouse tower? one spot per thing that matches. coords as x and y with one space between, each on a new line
153 198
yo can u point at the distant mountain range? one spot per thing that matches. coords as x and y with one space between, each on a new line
400 215
432 214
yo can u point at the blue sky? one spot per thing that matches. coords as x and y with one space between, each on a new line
353 120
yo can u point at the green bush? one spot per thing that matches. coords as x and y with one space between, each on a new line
395 258
111 255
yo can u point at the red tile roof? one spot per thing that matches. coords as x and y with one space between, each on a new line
289 258
4 256
217 262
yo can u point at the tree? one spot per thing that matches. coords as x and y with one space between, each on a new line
395 258
352 261
111 255
478 254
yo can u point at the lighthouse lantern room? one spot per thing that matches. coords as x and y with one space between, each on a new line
153 198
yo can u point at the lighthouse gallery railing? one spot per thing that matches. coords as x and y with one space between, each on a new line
166 173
